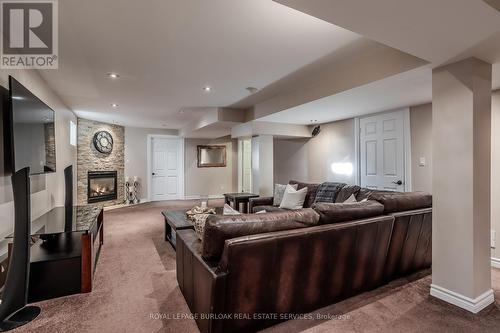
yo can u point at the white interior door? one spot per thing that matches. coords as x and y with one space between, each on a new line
165 173
382 151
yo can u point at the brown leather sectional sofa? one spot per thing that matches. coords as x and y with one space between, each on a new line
253 271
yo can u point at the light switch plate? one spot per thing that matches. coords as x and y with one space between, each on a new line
421 161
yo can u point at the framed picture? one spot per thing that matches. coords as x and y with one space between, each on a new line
211 156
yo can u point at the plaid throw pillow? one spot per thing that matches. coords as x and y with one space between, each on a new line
327 192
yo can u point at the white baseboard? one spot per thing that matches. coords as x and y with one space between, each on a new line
198 197
495 262
472 305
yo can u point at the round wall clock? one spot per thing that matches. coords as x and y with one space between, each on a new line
103 142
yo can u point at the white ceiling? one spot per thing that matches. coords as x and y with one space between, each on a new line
406 89
432 30
167 51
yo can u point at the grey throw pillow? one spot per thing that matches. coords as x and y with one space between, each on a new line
279 191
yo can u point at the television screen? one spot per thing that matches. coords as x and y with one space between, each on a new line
33 131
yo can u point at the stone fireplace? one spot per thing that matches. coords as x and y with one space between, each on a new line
102 186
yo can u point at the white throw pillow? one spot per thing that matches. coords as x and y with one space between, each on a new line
228 210
261 212
351 199
279 191
293 199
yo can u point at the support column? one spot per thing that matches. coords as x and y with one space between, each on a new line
262 165
461 138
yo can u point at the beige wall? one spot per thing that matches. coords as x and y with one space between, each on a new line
421 147
209 181
311 159
136 154
495 170
50 187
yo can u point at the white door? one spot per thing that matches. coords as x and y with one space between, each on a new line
382 150
165 173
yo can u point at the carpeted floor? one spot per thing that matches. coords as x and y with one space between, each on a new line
135 280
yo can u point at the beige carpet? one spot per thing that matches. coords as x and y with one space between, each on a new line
135 281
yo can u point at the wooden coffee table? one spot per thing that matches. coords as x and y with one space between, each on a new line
175 220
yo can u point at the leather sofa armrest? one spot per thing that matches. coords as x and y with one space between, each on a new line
260 201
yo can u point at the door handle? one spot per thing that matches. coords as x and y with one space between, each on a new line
153 173
399 182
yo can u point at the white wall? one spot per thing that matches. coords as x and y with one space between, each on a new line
136 154
495 171
421 147
51 191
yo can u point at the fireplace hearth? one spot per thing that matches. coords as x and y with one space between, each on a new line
102 186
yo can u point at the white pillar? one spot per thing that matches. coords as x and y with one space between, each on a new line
461 138
263 165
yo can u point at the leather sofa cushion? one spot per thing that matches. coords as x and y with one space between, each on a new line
219 228
399 201
346 191
342 212
312 189
268 209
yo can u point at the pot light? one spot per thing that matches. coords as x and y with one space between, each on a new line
113 75
207 89
114 105
252 90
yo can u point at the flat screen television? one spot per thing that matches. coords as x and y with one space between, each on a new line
33 131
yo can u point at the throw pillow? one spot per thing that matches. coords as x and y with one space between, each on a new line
351 199
293 199
279 191
327 192
261 212
228 210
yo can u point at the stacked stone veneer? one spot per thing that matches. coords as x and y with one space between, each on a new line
89 159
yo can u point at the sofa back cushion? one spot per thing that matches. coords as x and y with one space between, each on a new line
346 191
328 191
219 228
342 212
402 201
311 191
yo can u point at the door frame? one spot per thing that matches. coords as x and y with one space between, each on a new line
180 163
406 144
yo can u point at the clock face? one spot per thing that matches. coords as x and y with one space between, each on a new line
103 142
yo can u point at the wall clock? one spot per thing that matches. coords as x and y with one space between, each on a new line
103 142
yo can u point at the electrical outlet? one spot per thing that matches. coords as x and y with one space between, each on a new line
493 239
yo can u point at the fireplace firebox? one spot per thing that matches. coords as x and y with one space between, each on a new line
101 186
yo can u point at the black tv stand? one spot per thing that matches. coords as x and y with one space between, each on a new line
65 252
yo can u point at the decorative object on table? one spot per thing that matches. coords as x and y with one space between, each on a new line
203 201
103 142
131 190
211 156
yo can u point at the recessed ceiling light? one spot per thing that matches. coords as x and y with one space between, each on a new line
252 90
207 88
113 75
181 111
114 105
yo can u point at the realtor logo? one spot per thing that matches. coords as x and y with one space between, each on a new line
29 34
